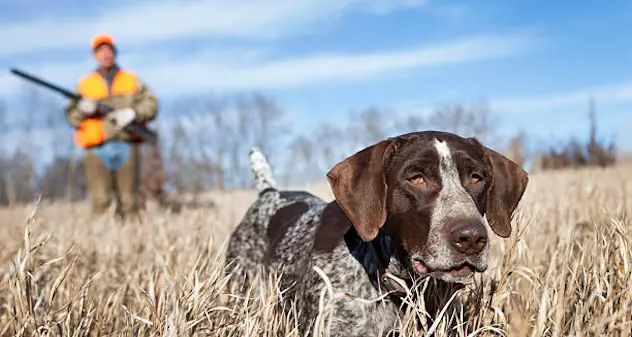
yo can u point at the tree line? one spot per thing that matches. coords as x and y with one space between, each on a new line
204 141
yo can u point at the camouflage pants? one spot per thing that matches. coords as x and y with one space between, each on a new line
123 183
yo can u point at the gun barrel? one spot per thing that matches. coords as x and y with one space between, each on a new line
49 85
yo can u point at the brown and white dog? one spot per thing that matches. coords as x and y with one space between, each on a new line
412 205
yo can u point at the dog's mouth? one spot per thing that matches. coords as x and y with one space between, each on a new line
456 273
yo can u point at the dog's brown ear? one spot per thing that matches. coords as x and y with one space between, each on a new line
359 186
508 183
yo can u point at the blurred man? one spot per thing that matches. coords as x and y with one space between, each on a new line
111 160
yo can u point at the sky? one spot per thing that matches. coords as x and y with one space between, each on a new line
537 63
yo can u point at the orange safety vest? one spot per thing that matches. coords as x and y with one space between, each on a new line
94 87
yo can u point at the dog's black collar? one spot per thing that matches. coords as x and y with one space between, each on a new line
374 256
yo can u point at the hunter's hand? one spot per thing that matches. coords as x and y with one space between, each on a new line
122 117
87 107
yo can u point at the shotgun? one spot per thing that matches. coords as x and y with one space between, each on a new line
144 133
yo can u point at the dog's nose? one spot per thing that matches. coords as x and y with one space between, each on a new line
468 237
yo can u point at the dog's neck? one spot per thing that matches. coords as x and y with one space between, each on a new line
382 258
378 257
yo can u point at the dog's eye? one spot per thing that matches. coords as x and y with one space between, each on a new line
476 178
416 179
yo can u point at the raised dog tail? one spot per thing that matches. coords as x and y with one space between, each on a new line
264 179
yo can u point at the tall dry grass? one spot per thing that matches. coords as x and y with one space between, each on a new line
564 272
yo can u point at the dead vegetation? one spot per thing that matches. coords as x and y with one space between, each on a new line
565 271
575 154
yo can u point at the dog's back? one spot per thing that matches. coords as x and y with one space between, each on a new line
274 223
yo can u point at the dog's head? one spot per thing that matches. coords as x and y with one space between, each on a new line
431 190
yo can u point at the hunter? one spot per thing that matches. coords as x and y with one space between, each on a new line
112 155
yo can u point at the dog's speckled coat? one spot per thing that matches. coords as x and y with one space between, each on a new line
293 232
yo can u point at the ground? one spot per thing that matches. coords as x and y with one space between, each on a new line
565 270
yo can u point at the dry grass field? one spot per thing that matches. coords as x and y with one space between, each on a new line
565 271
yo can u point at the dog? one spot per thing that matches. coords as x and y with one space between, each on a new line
412 206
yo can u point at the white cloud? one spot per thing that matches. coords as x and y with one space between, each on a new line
150 22
387 6
175 74
619 93
207 73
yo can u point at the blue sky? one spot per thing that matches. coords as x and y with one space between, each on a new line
536 62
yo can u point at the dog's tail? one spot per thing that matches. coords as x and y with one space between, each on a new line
264 179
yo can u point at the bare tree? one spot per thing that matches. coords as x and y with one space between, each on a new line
330 139
214 134
20 171
189 158
593 146
177 157
484 121
265 115
475 120
375 124
409 123
237 148
31 106
301 161
53 184
453 118
370 125
598 154
4 163
574 154
517 148
3 125
259 124
217 108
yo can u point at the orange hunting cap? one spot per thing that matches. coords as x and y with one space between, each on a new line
102 39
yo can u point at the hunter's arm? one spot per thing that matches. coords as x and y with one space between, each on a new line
146 106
